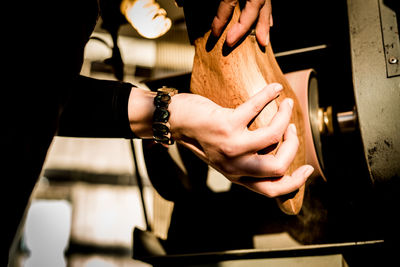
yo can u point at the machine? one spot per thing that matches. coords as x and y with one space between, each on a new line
353 47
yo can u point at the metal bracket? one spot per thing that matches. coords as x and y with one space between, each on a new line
390 36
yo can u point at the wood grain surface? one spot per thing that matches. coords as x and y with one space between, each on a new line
230 76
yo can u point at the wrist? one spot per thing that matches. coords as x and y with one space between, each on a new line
175 120
140 112
183 119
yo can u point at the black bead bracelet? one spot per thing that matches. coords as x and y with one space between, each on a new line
161 126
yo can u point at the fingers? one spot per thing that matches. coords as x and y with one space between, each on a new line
268 165
253 10
252 107
287 151
266 136
263 25
224 12
246 20
282 186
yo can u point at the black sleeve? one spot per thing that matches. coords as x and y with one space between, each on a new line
96 108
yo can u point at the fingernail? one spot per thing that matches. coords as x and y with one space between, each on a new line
278 87
290 102
308 171
293 128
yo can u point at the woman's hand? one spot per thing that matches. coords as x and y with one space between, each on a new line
259 10
221 138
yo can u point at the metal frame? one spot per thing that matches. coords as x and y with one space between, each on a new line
212 258
377 95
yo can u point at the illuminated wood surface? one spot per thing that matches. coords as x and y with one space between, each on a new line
230 76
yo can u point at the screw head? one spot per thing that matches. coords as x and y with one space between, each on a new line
393 60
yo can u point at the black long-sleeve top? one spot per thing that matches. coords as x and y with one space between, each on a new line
42 94
96 108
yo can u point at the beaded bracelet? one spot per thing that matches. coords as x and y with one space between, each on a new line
161 126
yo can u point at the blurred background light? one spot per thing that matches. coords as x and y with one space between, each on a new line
146 17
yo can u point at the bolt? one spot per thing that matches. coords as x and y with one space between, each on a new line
393 60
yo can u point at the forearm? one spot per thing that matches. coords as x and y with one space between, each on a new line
100 108
96 108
